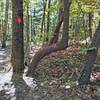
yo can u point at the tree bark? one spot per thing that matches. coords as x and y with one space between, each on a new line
27 25
55 47
85 74
33 33
55 36
27 44
17 36
48 21
90 25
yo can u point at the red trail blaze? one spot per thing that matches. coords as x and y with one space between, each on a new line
19 20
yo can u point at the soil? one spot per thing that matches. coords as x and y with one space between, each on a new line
54 79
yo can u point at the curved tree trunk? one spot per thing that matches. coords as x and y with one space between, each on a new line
55 47
55 36
85 74
42 53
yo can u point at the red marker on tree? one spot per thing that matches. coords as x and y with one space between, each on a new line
19 20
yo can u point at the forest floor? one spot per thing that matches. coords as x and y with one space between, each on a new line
54 79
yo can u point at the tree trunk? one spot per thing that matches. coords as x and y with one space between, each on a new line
55 47
0 28
27 31
17 36
18 50
54 38
5 25
90 25
43 18
48 21
27 44
33 25
27 26
85 74
33 21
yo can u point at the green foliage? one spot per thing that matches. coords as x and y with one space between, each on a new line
27 2
60 60
52 9
84 50
63 78
98 90
92 48
88 5
71 83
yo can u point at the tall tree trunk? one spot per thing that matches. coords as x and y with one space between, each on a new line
27 45
55 36
85 74
5 25
17 36
43 18
18 50
27 26
27 29
55 47
90 25
34 23
8 28
31 26
48 20
0 28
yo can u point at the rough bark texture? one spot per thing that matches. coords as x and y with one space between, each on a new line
55 47
17 36
85 74
18 50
